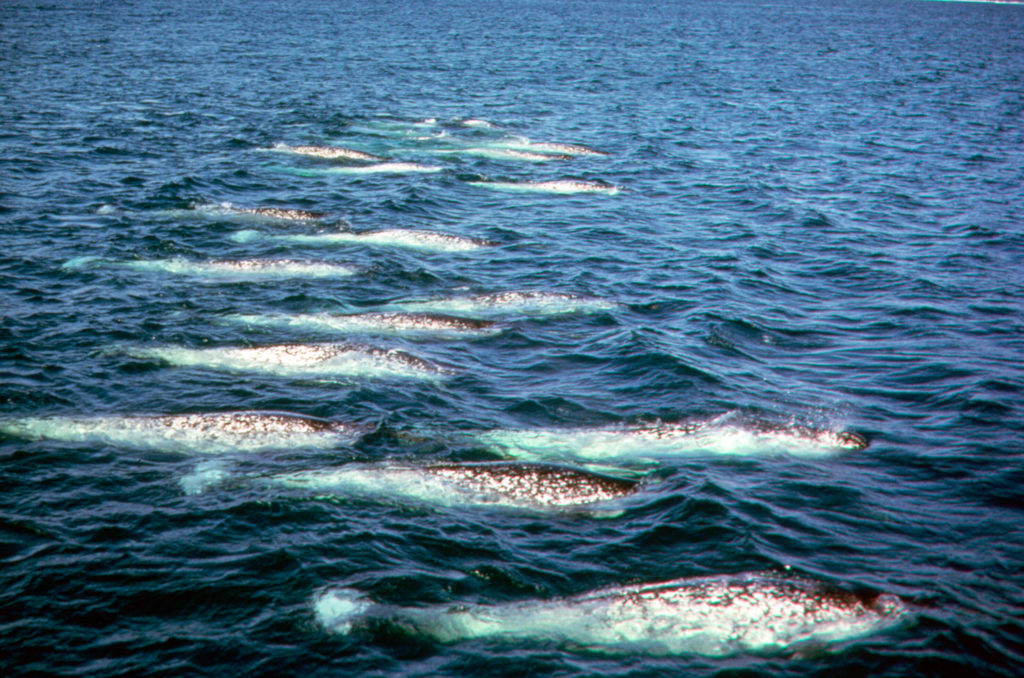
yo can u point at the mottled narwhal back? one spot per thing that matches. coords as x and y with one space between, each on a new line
328 152
718 436
713 616
203 433
238 269
324 359
528 303
428 325
415 239
534 487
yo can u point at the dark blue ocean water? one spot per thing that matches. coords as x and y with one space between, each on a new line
820 220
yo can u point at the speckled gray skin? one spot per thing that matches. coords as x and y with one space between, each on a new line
713 616
205 433
651 441
529 486
838 439
377 323
427 321
333 153
296 359
282 213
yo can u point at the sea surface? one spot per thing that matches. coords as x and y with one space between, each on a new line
788 216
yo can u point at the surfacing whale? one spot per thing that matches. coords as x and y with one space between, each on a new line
406 127
229 212
522 303
499 154
721 436
533 487
429 241
271 213
399 128
754 613
239 269
299 360
329 152
282 213
205 433
379 168
524 144
563 186
433 325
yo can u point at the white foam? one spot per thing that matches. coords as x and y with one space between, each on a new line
430 241
563 187
211 433
205 475
337 609
314 360
519 303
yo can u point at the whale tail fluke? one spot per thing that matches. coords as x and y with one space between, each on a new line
338 610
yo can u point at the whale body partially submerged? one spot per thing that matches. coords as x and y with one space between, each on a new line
528 303
521 143
562 186
323 359
416 324
329 152
499 154
534 487
203 433
284 213
230 212
723 435
377 168
713 616
240 269
429 241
